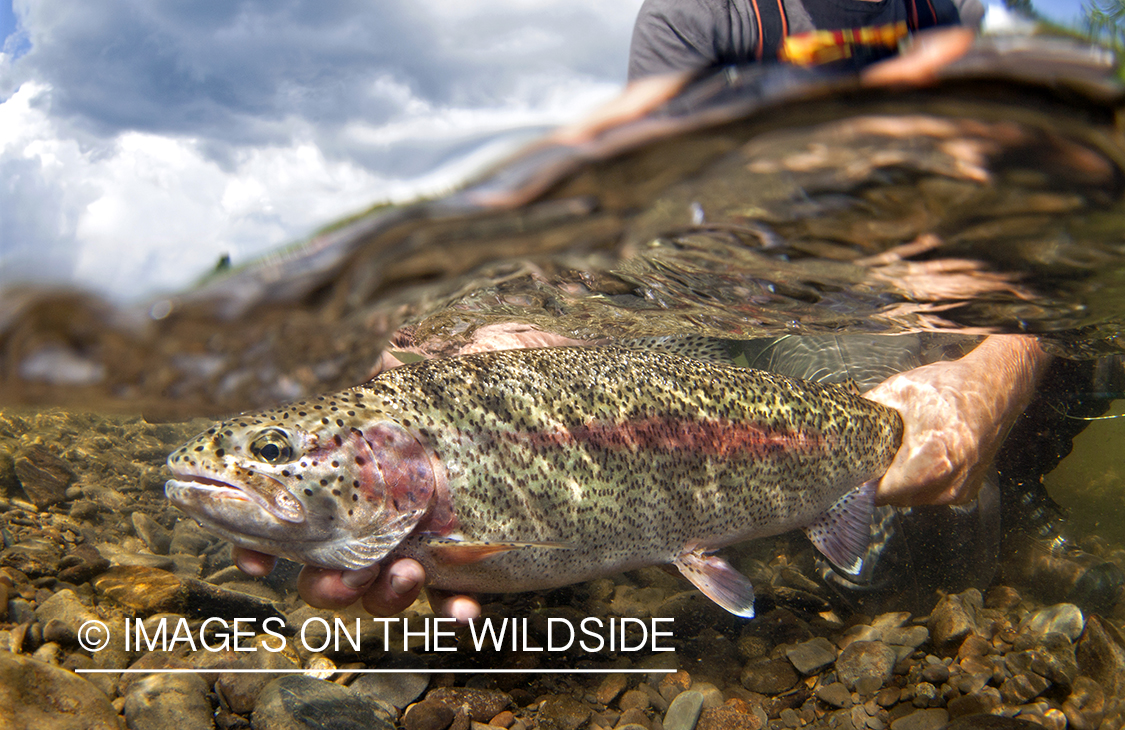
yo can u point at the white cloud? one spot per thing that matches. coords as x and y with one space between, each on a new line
140 142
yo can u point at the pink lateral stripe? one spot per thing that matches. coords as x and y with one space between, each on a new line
724 439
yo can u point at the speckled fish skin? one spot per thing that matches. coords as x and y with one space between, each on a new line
531 469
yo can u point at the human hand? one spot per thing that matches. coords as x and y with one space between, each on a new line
919 64
955 416
384 592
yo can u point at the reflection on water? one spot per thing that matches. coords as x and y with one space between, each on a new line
848 237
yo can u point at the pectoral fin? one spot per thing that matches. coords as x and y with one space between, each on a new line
462 552
717 580
844 530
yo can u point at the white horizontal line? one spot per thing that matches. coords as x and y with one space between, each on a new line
218 670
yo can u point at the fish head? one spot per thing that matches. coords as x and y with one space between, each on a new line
318 491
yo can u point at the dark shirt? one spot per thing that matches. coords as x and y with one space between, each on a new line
691 35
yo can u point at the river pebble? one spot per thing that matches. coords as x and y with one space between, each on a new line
398 689
162 701
728 718
296 702
562 712
931 719
954 619
811 656
1006 660
769 677
43 476
871 660
1062 618
684 711
35 695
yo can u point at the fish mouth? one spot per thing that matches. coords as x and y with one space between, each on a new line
195 493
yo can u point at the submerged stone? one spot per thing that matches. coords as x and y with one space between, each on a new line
162 701
34 695
297 702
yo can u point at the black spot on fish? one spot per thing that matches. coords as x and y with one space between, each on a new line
308 492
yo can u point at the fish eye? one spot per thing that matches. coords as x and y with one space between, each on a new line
272 446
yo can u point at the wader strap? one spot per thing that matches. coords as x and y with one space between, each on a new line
920 14
773 26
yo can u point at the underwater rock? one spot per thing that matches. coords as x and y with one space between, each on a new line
728 718
428 715
145 590
954 619
398 690
635 699
162 701
1100 654
863 659
982 700
769 677
34 695
835 694
158 539
1022 688
671 685
812 656
483 704
611 686
189 538
240 690
149 590
931 719
297 702
35 557
1085 706
561 712
991 722
1063 618
684 711
1052 657
81 564
1003 598
43 476
66 610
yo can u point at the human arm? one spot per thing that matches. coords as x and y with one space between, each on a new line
956 415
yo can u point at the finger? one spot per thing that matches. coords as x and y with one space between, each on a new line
334 589
396 589
461 608
252 562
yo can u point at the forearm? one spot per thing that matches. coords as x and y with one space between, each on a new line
956 415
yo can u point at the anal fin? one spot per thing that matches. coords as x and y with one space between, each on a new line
462 552
843 532
717 580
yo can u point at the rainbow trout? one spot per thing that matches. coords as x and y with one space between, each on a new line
532 469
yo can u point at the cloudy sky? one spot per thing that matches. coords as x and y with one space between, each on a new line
140 140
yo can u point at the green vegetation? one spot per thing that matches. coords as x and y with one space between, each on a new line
1102 22
1105 23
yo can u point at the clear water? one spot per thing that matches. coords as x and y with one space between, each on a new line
974 208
